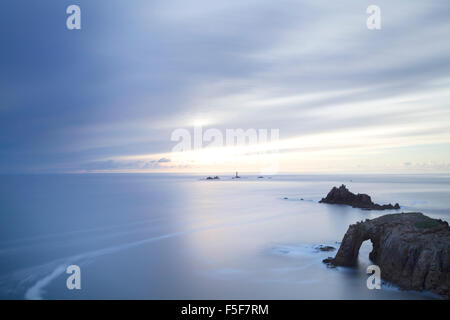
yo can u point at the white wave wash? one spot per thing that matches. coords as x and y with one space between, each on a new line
36 291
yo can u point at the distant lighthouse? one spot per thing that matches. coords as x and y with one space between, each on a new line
237 176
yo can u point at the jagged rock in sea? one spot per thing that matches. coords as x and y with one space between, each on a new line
342 195
213 178
411 249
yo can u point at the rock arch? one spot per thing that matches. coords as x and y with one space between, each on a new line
411 249
356 234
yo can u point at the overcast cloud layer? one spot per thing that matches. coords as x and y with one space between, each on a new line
75 101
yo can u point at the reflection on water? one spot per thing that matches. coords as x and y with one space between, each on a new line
174 236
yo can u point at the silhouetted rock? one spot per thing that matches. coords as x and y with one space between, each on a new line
213 178
325 248
328 261
342 195
411 249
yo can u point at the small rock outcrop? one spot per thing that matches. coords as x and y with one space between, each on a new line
411 249
325 248
213 178
342 195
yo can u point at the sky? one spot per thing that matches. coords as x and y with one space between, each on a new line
112 96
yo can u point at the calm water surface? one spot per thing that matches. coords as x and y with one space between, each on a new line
142 236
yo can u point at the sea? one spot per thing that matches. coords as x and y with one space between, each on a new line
180 236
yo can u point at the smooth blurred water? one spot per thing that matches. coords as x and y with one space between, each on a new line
147 236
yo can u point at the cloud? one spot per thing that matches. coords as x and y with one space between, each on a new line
118 89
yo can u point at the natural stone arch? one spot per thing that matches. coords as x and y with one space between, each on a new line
412 250
351 244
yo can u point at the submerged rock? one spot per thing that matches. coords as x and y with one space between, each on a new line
342 195
328 261
411 249
325 248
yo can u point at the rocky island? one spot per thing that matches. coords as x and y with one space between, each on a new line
411 249
342 195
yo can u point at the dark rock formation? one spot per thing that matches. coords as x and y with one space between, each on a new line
328 260
325 248
342 195
213 178
411 249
